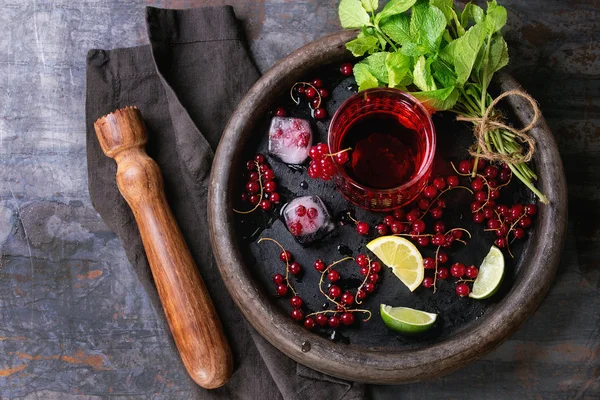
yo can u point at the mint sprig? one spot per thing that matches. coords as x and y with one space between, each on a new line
445 57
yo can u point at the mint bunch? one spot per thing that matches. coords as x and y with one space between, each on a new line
444 57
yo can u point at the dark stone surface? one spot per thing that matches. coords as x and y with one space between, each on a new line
75 323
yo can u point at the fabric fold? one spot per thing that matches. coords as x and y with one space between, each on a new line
187 83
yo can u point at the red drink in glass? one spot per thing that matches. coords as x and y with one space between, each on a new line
393 144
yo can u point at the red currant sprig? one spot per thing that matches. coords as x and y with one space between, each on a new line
291 267
322 164
314 92
511 222
261 189
362 228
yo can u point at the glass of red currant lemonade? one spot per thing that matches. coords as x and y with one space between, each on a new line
392 141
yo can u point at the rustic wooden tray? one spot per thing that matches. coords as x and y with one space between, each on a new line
362 360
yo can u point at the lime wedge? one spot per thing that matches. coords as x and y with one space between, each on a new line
490 275
402 257
407 321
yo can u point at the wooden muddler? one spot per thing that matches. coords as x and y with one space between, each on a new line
189 309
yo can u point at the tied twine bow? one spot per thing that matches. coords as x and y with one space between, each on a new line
489 122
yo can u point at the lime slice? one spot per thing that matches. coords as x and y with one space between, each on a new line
406 320
490 275
402 257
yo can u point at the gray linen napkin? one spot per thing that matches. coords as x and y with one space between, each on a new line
187 83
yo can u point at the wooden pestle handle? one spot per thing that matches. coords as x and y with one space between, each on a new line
189 309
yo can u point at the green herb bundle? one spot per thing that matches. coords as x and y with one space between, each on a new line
445 58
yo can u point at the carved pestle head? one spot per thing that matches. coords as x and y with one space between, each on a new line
121 130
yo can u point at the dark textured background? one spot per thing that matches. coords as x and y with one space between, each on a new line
74 322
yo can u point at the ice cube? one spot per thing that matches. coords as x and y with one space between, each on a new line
307 219
290 139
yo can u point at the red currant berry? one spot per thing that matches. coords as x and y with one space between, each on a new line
275 198
465 166
364 271
439 183
481 196
478 217
347 318
457 270
430 191
361 295
316 102
419 226
250 165
436 212
438 239
531 209
428 282
462 289
369 287
488 212
297 315
309 323
254 176
312 213
321 319
259 158
282 290
491 172
423 241
481 164
362 228
442 257
375 267
525 222
457 234
266 205
477 184
280 112
347 299
413 215
441 203
346 69
320 113
504 175
362 260
324 93
475 206
319 265
502 210
333 275
516 211
382 229
500 242
423 204
429 263
492 184
322 149
296 301
278 279
335 291
254 199
439 227
270 186
389 220
244 197
334 322
374 278
399 215
452 181
296 228
342 158
252 187
301 90
472 272
442 273
318 83
300 211
295 268
494 224
397 227
310 93
285 256
519 233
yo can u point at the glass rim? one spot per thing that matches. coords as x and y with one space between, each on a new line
429 155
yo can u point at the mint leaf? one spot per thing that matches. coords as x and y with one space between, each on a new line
496 17
394 7
376 65
473 13
398 67
427 26
497 60
370 5
443 74
363 44
438 100
446 6
364 78
397 28
463 51
422 77
352 14
412 50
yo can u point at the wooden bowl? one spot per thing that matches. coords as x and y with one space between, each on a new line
537 265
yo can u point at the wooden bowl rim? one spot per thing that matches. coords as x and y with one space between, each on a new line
376 365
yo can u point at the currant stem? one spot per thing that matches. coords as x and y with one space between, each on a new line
339 152
356 299
323 276
261 192
297 101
